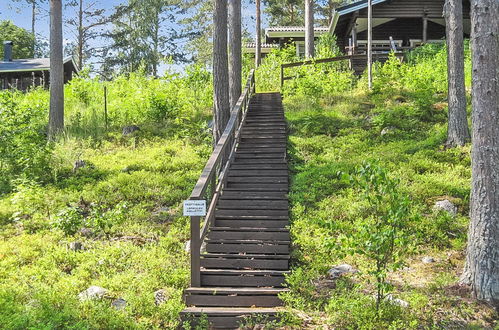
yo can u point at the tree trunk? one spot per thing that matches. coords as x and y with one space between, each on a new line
235 51
220 69
309 28
458 133
56 114
33 21
258 40
80 36
482 259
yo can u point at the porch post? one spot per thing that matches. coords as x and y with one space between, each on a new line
425 28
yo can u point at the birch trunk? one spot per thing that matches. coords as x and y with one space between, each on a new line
235 65
258 39
309 29
482 258
457 133
56 114
221 111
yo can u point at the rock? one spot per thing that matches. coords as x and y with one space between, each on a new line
447 206
119 304
76 246
160 296
187 246
127 130
428 260
87 232
79 164
93 292
340 270
387 130
397 301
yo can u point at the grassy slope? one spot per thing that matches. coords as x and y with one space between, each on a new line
328 139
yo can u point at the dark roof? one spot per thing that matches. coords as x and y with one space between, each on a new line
294 29
31 64
356 6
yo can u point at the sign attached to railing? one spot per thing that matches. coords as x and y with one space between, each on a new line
195 208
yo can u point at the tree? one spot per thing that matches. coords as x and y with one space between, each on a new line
220 69
235 59
458 133
88 19
309 28
198 28
258 34
482 266
23 40
142 36
34 5
56 114
284 12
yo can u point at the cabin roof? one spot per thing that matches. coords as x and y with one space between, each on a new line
32 64
356 6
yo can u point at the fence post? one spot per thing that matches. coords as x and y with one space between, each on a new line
105 107
195 252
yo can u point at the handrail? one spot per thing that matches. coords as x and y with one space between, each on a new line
214 175
328 60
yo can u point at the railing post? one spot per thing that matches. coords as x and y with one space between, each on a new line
282 76
195 252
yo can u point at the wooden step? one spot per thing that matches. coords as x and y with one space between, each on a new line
233 297
243 277
247 246
252 214
239 195
245 261
260 172
251 223
275 187
245 167
226 317
253 204
257 179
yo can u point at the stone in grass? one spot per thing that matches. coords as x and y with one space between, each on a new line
397 301
160 296
447 206
93 292
387 130
187 246
340 270
119 304
87 232
76 246
428 260
127 130
79 164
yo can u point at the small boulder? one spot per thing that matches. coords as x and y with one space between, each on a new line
397 301
428 260
76 246
79 164
127 130
93 292
187 246
447 206
387 130
160 297
340 270
119 304
86 232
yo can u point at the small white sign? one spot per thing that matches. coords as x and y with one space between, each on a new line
195 208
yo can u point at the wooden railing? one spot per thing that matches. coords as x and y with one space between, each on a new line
213 177
331 59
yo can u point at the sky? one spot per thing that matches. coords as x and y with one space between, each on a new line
20 13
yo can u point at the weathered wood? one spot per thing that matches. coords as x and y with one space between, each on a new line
247 248
233 301
238 291
248 263
251 223
254 204
242 281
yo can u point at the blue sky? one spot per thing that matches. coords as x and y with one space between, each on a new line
20 13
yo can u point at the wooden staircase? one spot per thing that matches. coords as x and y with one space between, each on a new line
246 257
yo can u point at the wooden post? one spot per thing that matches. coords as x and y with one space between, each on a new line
195 252
354 37
105 107
370 44
282 76
425 28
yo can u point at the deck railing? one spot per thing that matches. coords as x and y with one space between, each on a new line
351 58
213 177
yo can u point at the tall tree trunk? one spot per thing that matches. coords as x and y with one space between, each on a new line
33 21
235 65
482 258
458 133
56 114
81 35
258 31
220 69
309 29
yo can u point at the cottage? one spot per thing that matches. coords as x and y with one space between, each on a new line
24 73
